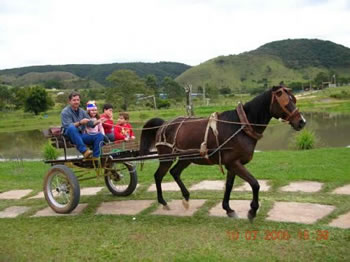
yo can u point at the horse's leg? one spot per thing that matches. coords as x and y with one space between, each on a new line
158 177
243 173
230 180
176 173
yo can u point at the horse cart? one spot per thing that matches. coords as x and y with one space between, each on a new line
115 165
61 183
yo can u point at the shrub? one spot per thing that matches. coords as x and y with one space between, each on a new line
305 139
342 95
49 152
163 103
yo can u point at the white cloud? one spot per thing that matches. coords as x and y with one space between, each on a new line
106 31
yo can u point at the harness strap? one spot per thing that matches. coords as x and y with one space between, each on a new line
248 129
163 140
212 123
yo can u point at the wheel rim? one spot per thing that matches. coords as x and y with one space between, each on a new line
59 190
119 178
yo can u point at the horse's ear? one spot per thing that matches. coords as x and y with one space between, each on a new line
275 88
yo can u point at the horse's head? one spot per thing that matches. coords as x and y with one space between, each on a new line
283 105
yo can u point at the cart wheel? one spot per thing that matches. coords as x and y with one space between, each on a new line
121 179
61 189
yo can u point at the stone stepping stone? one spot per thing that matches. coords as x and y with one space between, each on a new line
246 187
37 196
220 185
344 190
343 221
302 186
177 208
48 212
86 191
15 194
241 207
209 185
304 213
125 207
14 211
90 191
169 186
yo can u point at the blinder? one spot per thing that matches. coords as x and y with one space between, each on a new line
284 97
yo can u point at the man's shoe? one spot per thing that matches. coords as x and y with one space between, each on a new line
87 154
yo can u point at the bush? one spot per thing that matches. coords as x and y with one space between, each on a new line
49 152
163 103
305 139
342 95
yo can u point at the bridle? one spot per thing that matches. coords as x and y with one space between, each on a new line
282 96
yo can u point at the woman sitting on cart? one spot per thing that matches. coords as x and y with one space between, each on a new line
74 121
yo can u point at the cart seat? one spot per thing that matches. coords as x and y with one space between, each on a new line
58 139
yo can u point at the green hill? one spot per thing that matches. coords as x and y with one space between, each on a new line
98 73
298 60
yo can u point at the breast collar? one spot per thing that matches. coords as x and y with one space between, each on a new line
248 129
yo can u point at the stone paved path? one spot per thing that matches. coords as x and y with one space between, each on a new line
177 208
15 194
127 207
343 221
305 213
48 212
282 211
344 190
13 211
303 186
241 208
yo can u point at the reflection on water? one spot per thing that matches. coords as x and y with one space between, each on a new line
18 145
332 131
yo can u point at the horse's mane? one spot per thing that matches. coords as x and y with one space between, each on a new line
252 107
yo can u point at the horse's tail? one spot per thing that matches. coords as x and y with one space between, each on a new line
148 134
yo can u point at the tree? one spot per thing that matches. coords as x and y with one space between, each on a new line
173 89
5 96
151 82
320 78
53 84
125 85
19 96
37 100
225 91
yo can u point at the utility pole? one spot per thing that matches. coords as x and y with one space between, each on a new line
189 105
204 94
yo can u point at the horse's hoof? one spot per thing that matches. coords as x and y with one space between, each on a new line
185 203
251 215
232 214
166 207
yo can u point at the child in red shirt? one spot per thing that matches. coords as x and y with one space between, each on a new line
123 129
107 123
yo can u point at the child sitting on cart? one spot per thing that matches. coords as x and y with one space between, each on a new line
91 109
123 129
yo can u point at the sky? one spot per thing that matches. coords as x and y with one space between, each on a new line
56 32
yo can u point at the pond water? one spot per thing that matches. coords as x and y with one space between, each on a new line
331 131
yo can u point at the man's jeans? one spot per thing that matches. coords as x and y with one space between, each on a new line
81 140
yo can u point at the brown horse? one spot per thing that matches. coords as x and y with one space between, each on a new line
228 138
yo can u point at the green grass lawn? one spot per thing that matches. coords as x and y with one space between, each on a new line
198 238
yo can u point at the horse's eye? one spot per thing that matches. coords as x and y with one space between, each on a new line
279 93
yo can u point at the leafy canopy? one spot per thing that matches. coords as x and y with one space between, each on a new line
125 85
37 100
